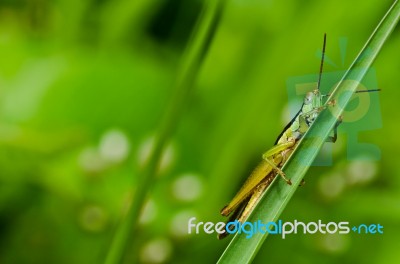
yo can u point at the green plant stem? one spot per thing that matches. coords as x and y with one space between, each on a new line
191 62
242 249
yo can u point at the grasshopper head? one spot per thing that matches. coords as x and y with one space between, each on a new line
309 98
312 101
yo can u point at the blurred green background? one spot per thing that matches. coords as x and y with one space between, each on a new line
84 85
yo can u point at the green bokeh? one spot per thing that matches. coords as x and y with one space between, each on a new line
84 85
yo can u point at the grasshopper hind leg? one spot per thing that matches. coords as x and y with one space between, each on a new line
277 150
279 171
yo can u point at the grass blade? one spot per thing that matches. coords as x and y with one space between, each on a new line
191 62
242 250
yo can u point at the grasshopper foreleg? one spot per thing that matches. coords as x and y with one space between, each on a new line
334 137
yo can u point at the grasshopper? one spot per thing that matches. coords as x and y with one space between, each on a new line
273 159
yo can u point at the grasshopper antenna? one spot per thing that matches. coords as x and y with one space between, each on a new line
367 91
322 63
360 91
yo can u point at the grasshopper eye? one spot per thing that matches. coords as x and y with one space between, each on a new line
309 97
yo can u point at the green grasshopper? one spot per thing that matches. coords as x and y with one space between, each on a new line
272 160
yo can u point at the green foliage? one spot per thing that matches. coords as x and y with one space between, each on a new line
84 86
